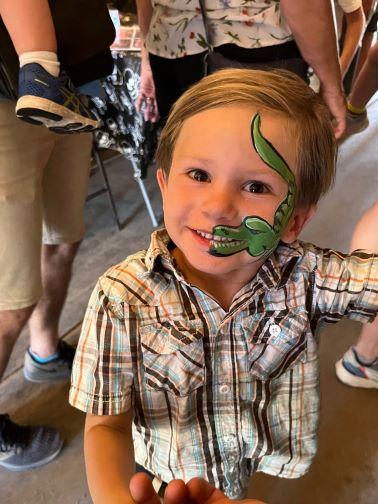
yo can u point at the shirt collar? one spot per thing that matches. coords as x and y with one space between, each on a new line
158 252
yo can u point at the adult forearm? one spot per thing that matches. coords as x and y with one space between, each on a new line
144 10
312 24
109 464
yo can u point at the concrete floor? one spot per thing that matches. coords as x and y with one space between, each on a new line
345 470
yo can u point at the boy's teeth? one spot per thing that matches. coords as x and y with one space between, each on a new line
218 244
212 237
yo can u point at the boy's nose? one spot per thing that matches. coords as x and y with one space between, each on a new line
220 206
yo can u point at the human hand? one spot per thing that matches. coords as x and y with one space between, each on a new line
146 101
143 492
196 491
335 102
201 492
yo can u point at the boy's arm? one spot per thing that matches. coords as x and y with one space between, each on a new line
311 22
355 22
109 457
348 285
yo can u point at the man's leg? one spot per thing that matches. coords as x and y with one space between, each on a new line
64 192
359 366
25 150
11 325
56 266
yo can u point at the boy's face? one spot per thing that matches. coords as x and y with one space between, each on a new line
218 179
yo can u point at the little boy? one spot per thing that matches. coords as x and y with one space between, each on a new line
206 342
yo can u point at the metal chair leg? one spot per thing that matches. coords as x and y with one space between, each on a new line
142 187
101 165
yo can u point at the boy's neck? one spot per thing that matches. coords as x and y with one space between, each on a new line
222 288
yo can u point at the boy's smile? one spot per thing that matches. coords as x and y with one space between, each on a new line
218 179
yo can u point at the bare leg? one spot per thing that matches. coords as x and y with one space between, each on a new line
365 237
29 24
367 40
367 81
56 267
11 325
363 54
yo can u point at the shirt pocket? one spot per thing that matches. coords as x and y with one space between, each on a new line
281 343
173 356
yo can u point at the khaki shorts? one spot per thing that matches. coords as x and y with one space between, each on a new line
43 186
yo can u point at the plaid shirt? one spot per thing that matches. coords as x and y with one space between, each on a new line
217 394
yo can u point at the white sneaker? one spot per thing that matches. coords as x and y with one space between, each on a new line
351 371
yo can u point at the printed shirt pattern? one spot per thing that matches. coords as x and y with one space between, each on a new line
217 394
177 27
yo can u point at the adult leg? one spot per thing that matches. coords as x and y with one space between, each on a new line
11 325
29 24
56 267
365 237
359 366
367 39
367 81
365 86
65 184
24 151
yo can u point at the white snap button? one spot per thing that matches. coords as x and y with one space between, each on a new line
224 389
274 329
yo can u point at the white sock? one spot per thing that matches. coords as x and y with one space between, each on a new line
47 59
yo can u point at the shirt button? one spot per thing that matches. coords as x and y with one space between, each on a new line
224 389
274 329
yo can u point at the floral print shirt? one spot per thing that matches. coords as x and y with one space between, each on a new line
177 27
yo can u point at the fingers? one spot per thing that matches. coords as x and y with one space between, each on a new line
201 492
339 127
336 104
176 493
148 107
142 491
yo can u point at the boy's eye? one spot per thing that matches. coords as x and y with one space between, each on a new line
256 187
199 175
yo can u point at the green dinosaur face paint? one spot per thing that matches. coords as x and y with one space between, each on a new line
255 234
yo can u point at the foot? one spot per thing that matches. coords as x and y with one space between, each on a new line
23 448
52 101
355 123
351 371
55 370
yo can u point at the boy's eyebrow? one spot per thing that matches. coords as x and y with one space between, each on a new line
262 167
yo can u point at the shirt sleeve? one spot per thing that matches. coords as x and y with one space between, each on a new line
102 370
345 286
349 5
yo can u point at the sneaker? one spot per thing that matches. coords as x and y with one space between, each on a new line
52 101
23 448
355 123
55 370
351 371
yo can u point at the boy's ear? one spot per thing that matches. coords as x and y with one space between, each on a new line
297 222
162 181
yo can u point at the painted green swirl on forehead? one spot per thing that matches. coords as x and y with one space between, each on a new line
255 234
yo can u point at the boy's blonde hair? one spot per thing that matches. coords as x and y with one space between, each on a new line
277 91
